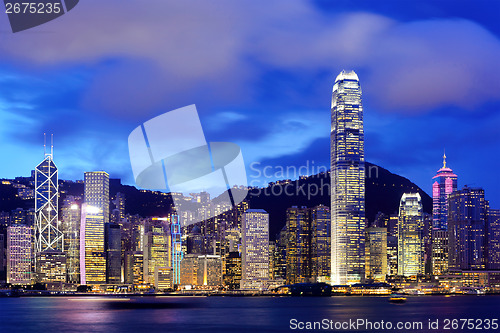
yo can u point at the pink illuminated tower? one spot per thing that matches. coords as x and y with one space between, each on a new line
445 183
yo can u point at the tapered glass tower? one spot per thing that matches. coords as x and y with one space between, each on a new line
347 181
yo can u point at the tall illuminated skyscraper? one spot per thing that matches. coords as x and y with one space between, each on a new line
347 181
48 236
445 183
95 213
19 254
255 249
411 235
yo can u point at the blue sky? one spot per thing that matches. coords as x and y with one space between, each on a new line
261 75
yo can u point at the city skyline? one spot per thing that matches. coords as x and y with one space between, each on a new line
272 94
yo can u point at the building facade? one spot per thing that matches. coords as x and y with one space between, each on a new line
255 249
19 254
376 254
445 183
411 236
347 181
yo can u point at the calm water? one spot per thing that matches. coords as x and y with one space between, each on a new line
230 314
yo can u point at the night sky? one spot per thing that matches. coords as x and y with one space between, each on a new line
261 75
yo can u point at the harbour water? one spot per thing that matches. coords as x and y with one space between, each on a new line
246 314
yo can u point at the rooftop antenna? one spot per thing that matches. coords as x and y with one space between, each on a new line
52 145
444 158
44 144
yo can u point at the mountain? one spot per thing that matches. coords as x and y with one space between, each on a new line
383 193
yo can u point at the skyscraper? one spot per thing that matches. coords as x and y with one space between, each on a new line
19 254
445 183
71 229
113 253
347 181
320 243
376 254
48 236
255 249
410 236
467 230
95 214
298 251
494 238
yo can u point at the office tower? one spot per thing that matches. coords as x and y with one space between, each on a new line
3 260
134 267
164 278
19 254
279 255
156 250
298 251
189 270
18 216
71 230
175 232
113 253
392 255
376 254
255 249
320 243
445 183
410 236
494 239
232 270
95 214
195 241
48 236
51 267
209 270
467 229
119 204
347 181
439 252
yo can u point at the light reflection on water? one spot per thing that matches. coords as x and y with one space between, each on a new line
223 314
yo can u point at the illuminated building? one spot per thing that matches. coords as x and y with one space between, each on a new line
232 270
134 267
175 232
209 270
467 230
19 254
279 255
347 181
163 278
255 249
156 251
95 214
71 230
51 266
113 253
189 270
48 235
445 183
439 252
320 243
3 258
392 255
195 241
410 236
376 254
494 238
298 251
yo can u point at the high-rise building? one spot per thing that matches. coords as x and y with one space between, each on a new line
189 270
347 181
232 270
19 254
410 236
51 267
439 252
467 230
494 239
134 267
71 230
163 278
176 253
376 254
392 255
95 214
48 234
113 253
320 243
209 270
255 249
156 250
298 251
445 183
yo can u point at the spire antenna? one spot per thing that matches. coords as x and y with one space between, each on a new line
444 159
52 145
44 144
